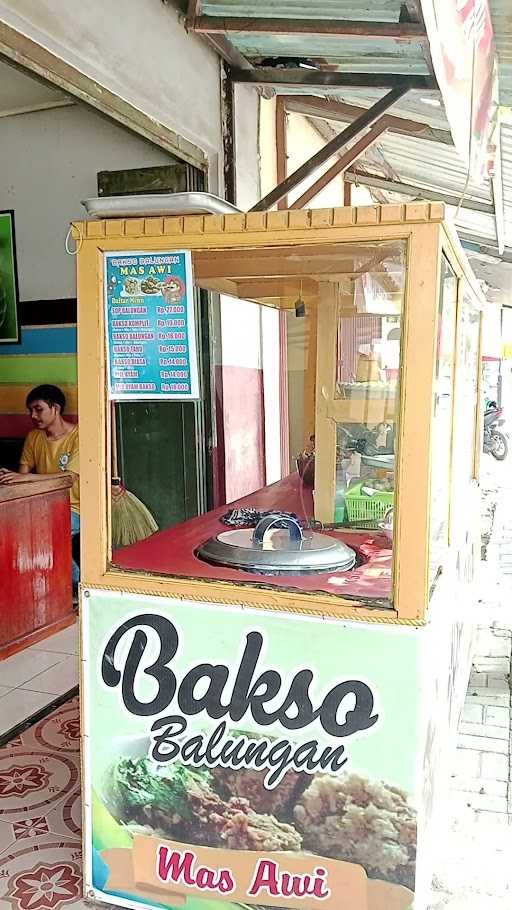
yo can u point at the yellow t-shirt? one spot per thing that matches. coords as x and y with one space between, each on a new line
49 456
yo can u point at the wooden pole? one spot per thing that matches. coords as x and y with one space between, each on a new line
281 147
342 164
398 31
284 411
328 151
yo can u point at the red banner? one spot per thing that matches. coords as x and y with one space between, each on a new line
461 40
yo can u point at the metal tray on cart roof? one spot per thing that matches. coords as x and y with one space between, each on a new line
157 204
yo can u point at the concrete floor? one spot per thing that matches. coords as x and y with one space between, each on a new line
474 869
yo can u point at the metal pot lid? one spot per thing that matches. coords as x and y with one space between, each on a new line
278 545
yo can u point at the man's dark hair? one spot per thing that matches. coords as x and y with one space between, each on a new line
49 393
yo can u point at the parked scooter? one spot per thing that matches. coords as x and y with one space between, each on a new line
495 442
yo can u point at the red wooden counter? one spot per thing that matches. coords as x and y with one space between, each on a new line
173 551
35 562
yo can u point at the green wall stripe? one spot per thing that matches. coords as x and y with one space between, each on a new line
36 370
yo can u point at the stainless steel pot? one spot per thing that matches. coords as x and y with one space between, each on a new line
278 546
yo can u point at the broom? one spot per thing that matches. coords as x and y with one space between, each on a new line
131 519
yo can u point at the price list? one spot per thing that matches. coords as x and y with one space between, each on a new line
150 322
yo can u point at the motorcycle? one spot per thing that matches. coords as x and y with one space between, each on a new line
367 442
495 442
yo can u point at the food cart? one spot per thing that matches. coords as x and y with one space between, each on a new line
271 689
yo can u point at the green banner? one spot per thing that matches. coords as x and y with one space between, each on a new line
245 757
9 327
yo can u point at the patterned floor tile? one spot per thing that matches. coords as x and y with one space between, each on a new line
34 782
66 818
12 745
41 829
40 816
42 876
59 732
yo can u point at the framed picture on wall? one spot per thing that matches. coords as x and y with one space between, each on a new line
9 297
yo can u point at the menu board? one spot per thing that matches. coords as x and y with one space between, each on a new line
150 322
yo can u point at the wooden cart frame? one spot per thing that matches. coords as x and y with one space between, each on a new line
421 225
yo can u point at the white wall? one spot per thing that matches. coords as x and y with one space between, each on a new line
241 333
48 163
303 141
250 333
491 331
248 182
271 391
139 50
268 161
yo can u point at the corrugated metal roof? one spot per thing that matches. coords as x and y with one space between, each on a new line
430 164
501 14
352 54
379 11
352 10
433 166
436 167
506 169
423 106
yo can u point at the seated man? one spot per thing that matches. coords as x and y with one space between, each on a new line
50 449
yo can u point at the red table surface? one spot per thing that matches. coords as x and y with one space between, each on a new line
172 551
35 556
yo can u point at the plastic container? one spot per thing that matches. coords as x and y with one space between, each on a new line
340 512
364 510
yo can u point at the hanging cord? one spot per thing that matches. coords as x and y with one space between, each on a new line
79 241
116 480
468 176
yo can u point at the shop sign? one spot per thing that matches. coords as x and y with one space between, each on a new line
150 322
238 758
461 42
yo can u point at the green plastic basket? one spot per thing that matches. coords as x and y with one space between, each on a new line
366 511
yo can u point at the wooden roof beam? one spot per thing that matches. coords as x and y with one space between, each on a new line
218 42
413 11
399 31
474 244
332 148
229 53
194 10
270 75
417 192
281 147
338 111
497 195
343 163
275 267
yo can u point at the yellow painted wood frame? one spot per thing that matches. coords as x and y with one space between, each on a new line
467 519
420 225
